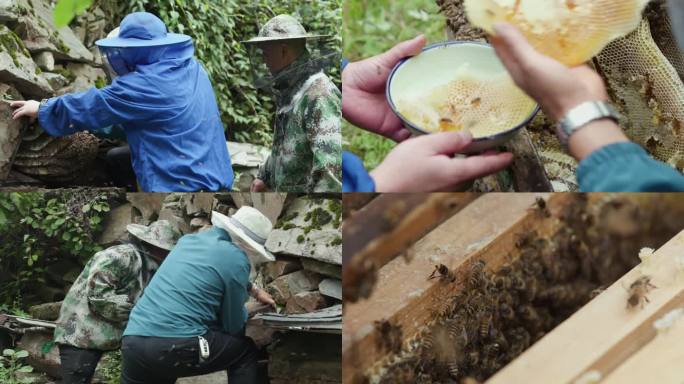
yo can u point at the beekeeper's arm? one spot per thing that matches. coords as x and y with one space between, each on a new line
90 110
108 271
324 133
608 160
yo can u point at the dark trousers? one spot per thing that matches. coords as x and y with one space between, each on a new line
161 360
78 364
120 168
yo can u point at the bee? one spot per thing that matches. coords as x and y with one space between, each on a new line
502 283
518 283
500 339
597 292
525 239
530 316
442 272
454 370
532 289
444 308
485 326
506 311
477 276
476 102
638 290
389 335
541 207
457 332
473 358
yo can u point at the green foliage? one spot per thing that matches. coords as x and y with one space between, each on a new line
371 27
38 226
11 366
217 28
66 10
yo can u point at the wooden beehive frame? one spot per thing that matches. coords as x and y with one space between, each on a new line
620 344
404 295
487 229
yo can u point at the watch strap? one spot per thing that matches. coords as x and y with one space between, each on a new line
583 114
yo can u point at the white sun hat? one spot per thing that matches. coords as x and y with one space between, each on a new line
249 228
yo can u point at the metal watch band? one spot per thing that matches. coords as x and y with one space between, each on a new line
584 114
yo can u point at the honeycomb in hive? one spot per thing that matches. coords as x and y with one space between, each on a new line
571 31
649 92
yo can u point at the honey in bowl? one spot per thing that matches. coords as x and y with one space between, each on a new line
485 105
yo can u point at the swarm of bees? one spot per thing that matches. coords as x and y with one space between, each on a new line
495 315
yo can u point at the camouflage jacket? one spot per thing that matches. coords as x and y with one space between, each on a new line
307 143
95 311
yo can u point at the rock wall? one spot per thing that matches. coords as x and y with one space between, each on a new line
303 279
39 61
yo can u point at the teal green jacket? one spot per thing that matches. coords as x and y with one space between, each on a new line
203 284
626 167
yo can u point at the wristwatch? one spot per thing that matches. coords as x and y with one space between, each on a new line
582 115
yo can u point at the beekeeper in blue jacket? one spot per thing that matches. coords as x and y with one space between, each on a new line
162 97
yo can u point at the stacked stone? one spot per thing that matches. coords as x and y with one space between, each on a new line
308 245
38 61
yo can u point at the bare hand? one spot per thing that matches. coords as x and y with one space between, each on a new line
263 297
426 164
363 84
554 86
258 185
25 108
557 88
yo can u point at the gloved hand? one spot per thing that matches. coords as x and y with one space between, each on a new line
425 164
363 84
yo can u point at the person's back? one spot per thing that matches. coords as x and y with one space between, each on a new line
202 285
183 106
164 101
306 153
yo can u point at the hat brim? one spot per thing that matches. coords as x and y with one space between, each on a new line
259 251
118 42
258 40
139 231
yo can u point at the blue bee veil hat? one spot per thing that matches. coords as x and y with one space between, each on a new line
142 29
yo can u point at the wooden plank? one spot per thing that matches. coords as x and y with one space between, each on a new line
486 229
387 227
528 171
604 333
660 361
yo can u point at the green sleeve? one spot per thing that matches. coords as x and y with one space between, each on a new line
108 273
323 129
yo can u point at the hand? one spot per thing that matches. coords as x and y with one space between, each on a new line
425 164
363 84
258 185
262 296
25 108
554 86
557 88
